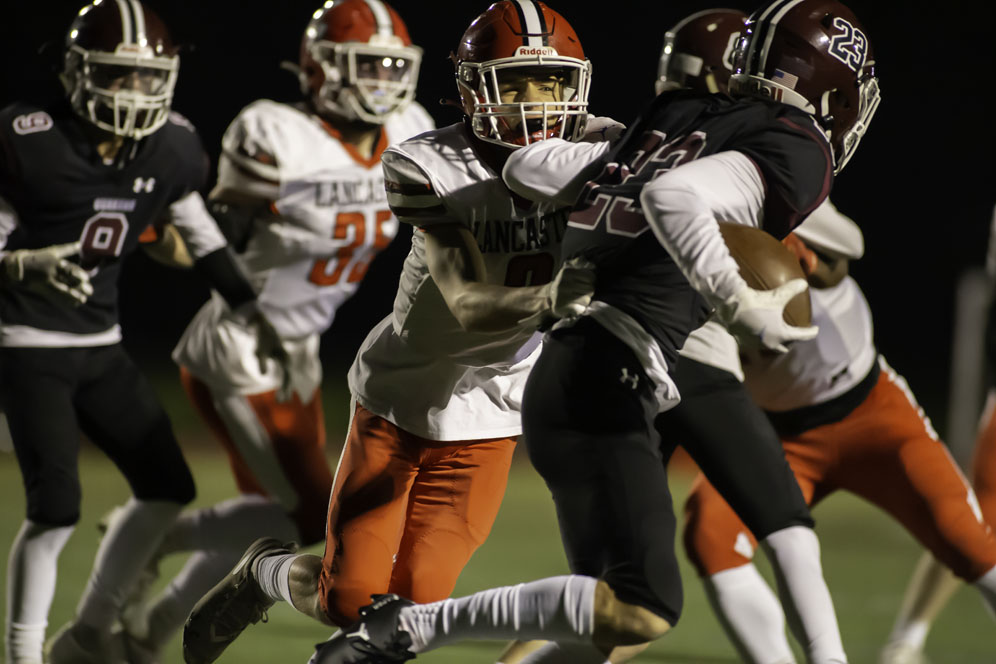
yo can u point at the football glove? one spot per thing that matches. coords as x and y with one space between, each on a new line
47 271
269 345
572 288
754 317
601 128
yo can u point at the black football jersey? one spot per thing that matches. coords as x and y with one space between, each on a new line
62 191
635 273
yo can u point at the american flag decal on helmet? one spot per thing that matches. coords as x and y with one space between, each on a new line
785 78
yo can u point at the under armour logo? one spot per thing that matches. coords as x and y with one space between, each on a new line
141 184
627 377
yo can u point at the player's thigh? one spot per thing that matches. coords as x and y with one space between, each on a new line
121 413
453 504
37 387
984 461
366 514
767 498
893 459
587 417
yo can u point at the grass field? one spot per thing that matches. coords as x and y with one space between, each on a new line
867 561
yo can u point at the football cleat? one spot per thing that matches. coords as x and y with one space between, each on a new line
233 604
376 638
901 653
74 644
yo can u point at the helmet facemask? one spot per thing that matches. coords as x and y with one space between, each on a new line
556 107
127 93
366 81
847 143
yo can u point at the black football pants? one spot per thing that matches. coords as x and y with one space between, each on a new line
51 395
588 415
735 446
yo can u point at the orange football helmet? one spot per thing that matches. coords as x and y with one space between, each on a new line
357 60
515 38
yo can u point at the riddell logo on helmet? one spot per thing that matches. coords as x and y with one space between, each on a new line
535 50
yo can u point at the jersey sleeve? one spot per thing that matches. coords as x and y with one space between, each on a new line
553 170
196 225
410 193
248 162
795 162
193 156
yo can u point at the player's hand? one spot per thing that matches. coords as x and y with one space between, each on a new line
755 317
572 288
601 128
47 271
270 346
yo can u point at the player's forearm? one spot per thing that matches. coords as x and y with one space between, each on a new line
553 170
483 307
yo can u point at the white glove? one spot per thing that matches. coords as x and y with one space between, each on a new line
754 317
269 345
572 288
601 128
47 271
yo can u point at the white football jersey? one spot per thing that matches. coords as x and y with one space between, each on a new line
419 368
823 368
332 219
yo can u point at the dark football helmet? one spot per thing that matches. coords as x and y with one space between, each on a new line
813 54
513 39
698 51
357 60
120 67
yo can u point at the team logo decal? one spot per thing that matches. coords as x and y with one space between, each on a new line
143 184
33 123
850 46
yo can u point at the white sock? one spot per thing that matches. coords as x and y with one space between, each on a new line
125 549
750 614
560 608
566 653
272 573
31 572
795 557
167 613
231 525
929 590
987 586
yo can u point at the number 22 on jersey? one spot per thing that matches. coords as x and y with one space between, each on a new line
353 259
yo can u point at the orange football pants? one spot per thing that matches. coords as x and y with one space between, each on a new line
885 452
984 462
406 513
297 432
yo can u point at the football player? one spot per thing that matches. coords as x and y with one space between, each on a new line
437 385
932 583
82 183
300 193
846 421
645 215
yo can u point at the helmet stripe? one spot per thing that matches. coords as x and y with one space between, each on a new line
772 28
139 15
763 34
385 26
127 23
532 22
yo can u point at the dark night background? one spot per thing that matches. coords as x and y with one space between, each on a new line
921 185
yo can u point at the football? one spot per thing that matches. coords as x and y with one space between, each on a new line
766 263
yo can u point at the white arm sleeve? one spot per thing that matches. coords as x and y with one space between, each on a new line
552 170
197 227
683 207
8 222
827 230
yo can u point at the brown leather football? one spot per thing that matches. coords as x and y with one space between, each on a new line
765 263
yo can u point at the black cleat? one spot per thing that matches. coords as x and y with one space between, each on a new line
232 605
376 638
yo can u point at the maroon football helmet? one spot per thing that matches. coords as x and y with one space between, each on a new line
120 67
813 54
357 60
698 51
515 40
